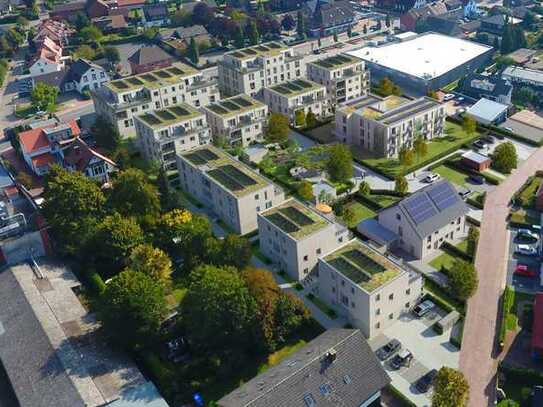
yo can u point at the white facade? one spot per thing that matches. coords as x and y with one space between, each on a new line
93 79
249 70
44 66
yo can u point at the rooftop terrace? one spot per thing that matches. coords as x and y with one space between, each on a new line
231 174
169 115
296 87
268 49
234 105
337 61
362 265
153 79
295 219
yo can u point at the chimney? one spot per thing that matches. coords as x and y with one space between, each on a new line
331 356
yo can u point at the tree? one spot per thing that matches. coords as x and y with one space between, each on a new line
202 14
151 261
132 308
529 20
348 215
469 124
194 53
400 185
91 34
349 31
504 158
288 22
451 389
85 52
239 40
386 87
300 25
305 190
504 61
290 314
233 251
22 22
73 205
218 309
473 240
299 118
105 135
340 163
405 157
277 128
112 55
387 21
310 119
81 21
252 33
420 146
44 97
364 189
133 195
507 39
463 279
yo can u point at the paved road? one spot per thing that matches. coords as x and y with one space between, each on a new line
477 359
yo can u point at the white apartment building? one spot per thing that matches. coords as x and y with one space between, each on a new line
121 100
385 125
298 95
367 288
239 120
249 70
344 76
294 236
228 187
162 134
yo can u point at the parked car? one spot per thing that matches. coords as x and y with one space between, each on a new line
476 179
423 308
430 178
403 358
527 235
464 194
509 129
488 138
448 96
499 136
480 145
426 381
526 250
386 351
525 271
460 99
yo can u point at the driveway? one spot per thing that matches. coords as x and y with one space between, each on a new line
477 359
521 283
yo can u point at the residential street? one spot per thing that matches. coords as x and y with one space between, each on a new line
477 359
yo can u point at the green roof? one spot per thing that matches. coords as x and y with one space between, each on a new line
295 219
234 105
169 115
221 167
336 61
268 49
296 87
363 265
153 79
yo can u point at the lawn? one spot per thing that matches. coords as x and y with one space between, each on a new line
456 177
360 211
526 195
384 200
524 217
24 111
447 259
452 140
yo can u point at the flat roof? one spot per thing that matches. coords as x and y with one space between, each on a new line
152 79
169 115
235 177
363 265
425 56
336 61
487 109
296 87
234 105
267 49
295 219
526 74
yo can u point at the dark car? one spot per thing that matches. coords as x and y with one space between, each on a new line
425 382
488 138
403 358
477 179
464 194
480 145
389 349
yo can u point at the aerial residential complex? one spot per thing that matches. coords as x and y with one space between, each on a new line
249 70
294 237
239 120
121 100
369 289
298 95
162 134
344 76
231 189
385 125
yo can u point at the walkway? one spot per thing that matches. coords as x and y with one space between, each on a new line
477 359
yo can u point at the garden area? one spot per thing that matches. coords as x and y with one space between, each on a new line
452 174
447 259
454 138
524 212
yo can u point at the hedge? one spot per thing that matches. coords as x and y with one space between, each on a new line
442 297
124 40
508 299
528 377
473 221
162 375
491 179
95 282
389 192
400 398
455 251
370 203
478 202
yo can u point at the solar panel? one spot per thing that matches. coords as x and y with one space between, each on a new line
179 111
419 208
443 195
176 71
239 176
242 102
163 74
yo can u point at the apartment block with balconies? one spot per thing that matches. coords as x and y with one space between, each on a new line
294 236
384 125
249 70
228 187
344 76
162 134
239 120
121 100
298 95
366 287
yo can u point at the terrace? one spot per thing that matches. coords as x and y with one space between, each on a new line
362 265
268 49
337 61
296 87
234 106
153 79
170 115
295 219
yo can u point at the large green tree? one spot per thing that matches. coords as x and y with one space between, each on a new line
473 240
504 158
194 52
131 308
252 33
91 34
340 163
420 146
401 185
463 279
277 128
305 190
105 135
300 25
451 389
44 97
218 310
112 55
469 124
405 157
233 251
73 205
151 261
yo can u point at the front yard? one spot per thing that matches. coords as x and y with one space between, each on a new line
448 258
359 211
456 177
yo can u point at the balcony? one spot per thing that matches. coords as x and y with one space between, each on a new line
202 83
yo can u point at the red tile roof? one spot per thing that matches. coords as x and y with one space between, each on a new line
33 140
537 328
126 3
42 160
80 154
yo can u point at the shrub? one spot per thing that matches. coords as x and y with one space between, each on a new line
95 283
508 300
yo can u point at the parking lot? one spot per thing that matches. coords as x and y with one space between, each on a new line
430 351
520 282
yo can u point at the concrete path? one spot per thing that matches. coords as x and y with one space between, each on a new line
477 359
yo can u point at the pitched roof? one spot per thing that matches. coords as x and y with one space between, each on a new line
443 25
35 139
188 32
79 154
332 14
68 7
112 21
477 85
148 55
55 79
432 207
129 3
80 68
155 11
312 374
43 160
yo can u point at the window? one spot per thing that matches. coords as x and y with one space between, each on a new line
391 297
391 316
407 305
332 275
378 311
353 305
306 270
398 216
345 300
377 325
257 197
408 291
429 239
352 290
343 283
319 251
258 208
377 297
305 257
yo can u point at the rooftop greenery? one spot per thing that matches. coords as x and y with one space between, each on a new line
295 219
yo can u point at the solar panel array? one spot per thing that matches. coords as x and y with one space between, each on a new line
293 86
230 105
419 208
201 157
443 195
231 178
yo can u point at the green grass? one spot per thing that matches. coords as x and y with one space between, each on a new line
360 211
521 216
452 140
277 356
527 194
445 260
456 177
24 111
443 296
322 306
384 200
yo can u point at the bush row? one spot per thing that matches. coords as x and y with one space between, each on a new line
389 192
3 70
370 203
442 297
478 202
527 377
456 165
455 251
473 221
508 299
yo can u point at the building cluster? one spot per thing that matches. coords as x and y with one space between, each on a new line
49 41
